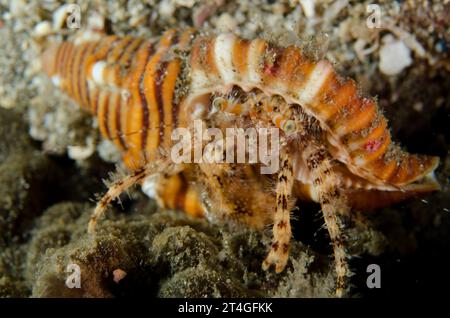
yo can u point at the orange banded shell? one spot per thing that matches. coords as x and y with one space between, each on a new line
131 86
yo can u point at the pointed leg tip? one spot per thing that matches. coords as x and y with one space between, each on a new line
91 227
279 268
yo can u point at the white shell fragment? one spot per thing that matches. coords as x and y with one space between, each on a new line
395 56
78 152
167 8
43 28
59 17
308 7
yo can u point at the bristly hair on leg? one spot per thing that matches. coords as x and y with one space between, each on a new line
279 252
326 185
119 186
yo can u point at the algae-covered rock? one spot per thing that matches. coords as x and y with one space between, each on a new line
12 287
163 254
12 263
178 248
201 281
13 130
26 179
25 189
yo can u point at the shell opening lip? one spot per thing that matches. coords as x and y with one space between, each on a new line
427 183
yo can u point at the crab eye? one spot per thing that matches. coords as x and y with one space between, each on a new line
289 126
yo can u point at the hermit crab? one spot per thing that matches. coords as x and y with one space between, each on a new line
333 145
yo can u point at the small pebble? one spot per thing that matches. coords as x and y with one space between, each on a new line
17 7
395 56
118 275
226 23
43 28
81 152
185 3
308 8
166 8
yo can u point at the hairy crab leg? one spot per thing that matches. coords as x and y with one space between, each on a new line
279 252
118 187
332 201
